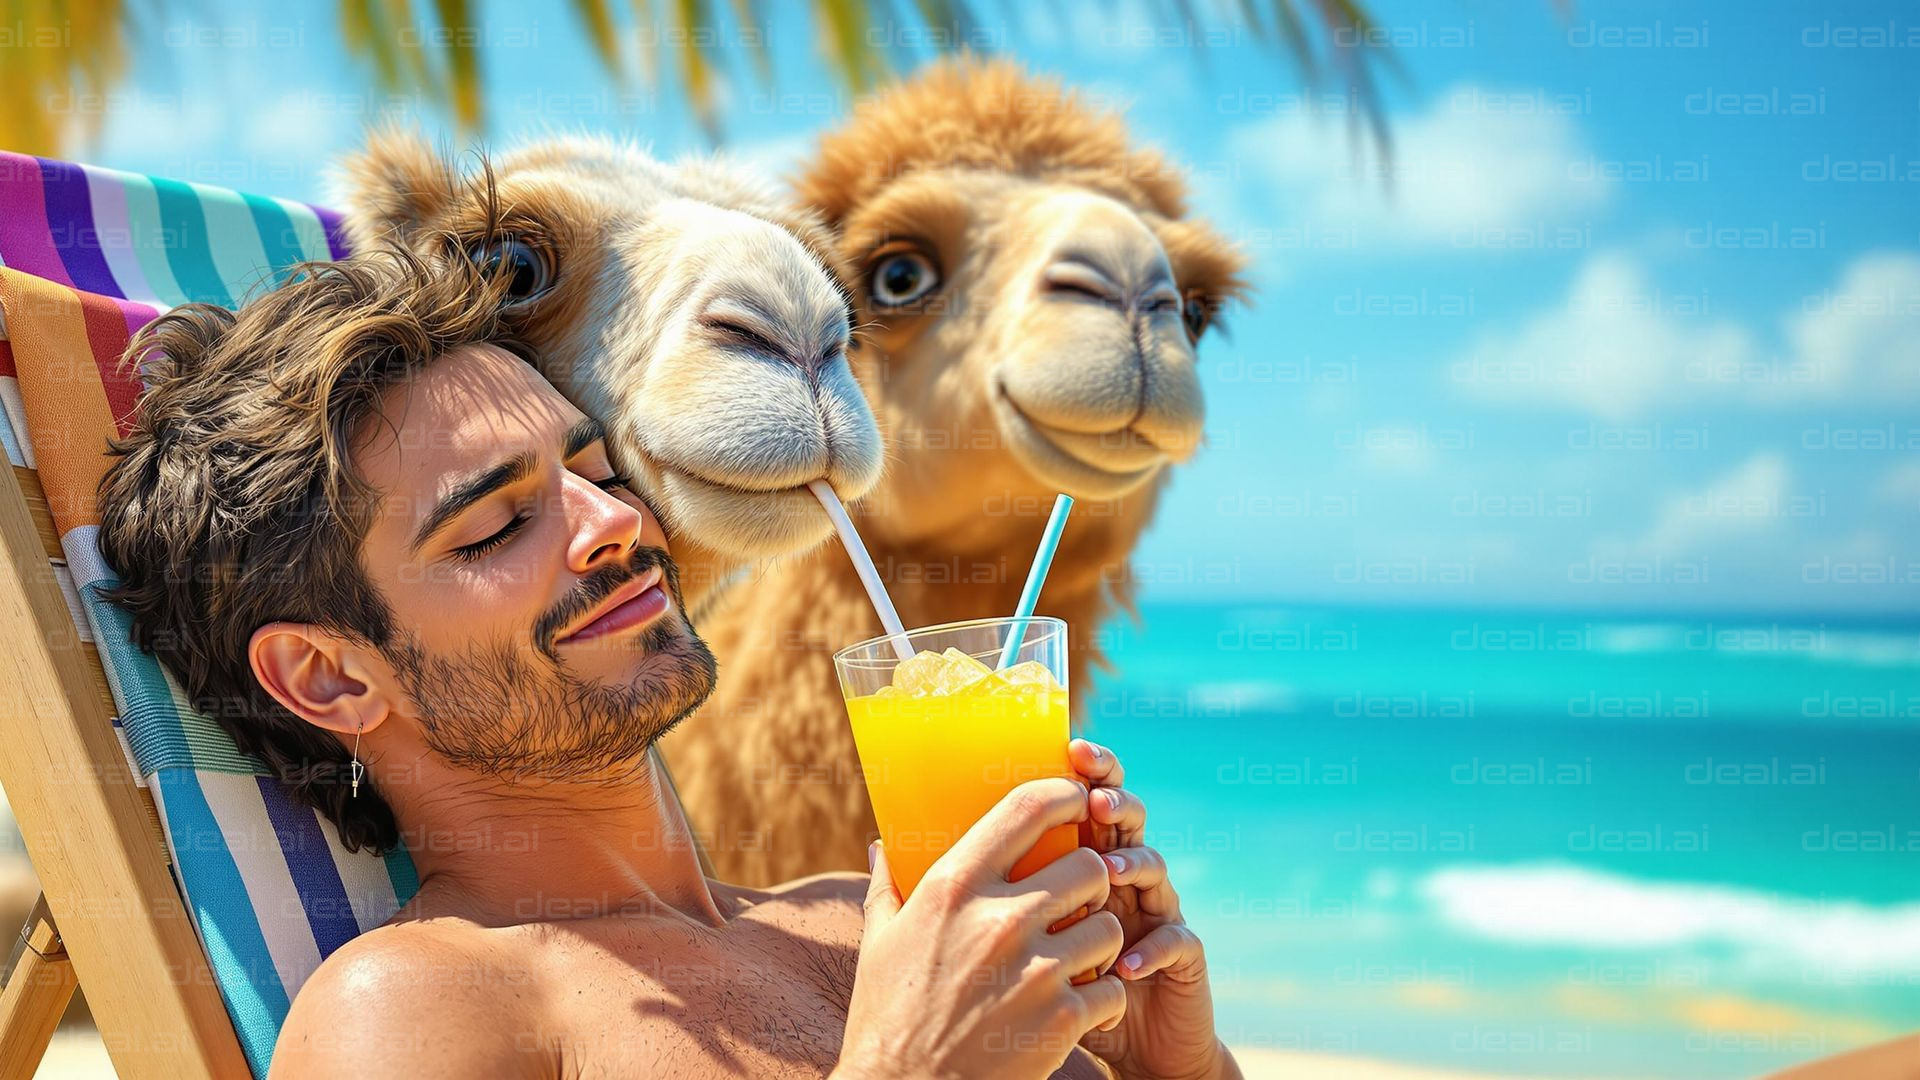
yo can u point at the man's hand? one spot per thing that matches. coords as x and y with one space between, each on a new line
1168 1027
964 979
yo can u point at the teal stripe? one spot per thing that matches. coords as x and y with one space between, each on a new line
405 878
313 235
150 242
187 251
163 731
278 237
8 443
229 929
234 242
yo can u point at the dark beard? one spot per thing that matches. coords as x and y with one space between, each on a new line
502 710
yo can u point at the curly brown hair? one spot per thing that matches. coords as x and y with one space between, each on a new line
233 502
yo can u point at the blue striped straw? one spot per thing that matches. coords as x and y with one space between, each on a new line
1036 577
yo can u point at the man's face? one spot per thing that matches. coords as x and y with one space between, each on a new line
539 630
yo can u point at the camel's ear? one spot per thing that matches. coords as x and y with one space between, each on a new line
394 187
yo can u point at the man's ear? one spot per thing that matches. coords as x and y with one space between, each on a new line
393 188
321 677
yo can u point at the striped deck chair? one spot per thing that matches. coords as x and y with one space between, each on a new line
190 951
90 256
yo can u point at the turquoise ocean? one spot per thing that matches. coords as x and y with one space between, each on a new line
1539 845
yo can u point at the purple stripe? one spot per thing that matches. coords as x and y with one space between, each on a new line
310 862
70 210
138 314
25 243
336 231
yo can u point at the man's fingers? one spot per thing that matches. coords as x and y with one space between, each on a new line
1121 809
1092 944
883 899
1103 1003
1074 880
1013 826
1097 764
1146 870
1171 949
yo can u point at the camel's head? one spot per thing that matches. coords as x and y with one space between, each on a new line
1032 284
696 315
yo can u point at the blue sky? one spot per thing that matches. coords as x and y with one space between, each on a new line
1633 323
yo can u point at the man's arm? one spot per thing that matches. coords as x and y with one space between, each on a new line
400 1002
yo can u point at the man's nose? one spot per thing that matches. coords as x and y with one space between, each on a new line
601 529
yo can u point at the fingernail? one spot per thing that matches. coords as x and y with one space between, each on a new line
1131 961
873 855
1097 752
1118 862
1113 797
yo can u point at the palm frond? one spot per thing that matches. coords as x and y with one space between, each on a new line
597 17
54 53
462 40
66 46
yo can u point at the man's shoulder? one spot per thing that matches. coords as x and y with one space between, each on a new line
833 898
834 886
419 999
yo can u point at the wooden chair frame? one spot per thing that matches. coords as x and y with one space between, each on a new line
110 918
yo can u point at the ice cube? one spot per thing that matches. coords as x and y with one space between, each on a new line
929 673
1030 675
915 674
964 665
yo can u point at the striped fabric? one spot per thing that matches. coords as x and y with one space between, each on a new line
87 257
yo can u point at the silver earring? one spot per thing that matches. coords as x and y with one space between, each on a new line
358 768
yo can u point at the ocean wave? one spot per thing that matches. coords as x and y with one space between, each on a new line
1639 637
1559 904
1854 648
1868 650
1254 695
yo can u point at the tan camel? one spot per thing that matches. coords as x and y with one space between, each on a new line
1031 291
687 307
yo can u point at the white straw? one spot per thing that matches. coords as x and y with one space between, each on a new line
863 564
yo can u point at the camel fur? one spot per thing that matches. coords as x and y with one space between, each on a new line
1053 352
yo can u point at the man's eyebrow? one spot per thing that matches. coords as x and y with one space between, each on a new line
472 490
584 434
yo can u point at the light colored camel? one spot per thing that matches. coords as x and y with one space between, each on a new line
687 307
1031 291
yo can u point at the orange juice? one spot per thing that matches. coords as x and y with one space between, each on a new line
939 755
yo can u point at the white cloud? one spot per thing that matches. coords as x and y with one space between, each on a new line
1752 498
1619 347
1457 169
1558 905
1615 347
1864 332
1900 485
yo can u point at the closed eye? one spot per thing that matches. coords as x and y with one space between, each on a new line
480 549
743 335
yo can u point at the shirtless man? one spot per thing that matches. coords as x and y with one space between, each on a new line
363 532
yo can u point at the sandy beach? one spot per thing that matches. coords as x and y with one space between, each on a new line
77 1054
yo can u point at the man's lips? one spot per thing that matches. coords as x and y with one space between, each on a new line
634 604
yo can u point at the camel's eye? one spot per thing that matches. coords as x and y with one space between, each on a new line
528 268
1196 312
901 278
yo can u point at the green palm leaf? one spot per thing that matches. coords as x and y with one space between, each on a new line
437 49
